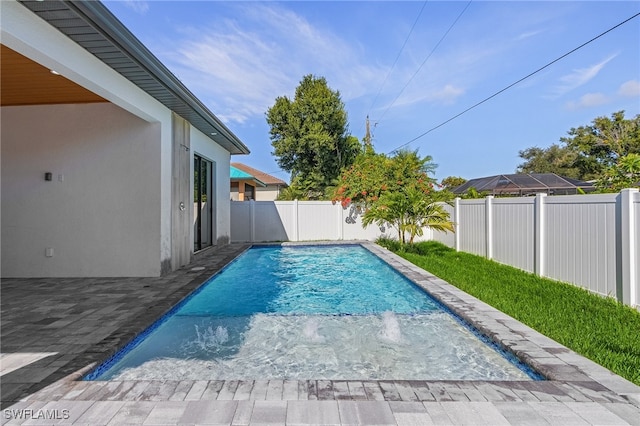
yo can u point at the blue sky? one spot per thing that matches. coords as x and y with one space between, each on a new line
410 66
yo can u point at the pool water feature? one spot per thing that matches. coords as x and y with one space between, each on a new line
310 312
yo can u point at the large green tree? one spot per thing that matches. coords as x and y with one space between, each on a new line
452 182
602 144
309 135
555 159
625 173
588 152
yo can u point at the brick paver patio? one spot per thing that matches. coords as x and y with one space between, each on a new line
55 330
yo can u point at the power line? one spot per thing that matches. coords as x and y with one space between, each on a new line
276 172
397 57
426 59
515 83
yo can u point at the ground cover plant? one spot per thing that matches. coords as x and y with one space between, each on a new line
596 327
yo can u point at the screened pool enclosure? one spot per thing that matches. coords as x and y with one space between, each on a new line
526 184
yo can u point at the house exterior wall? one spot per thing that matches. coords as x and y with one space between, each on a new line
101 213
244 191
27 34
131 109
268 193
234 194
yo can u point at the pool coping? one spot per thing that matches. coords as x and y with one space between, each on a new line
571 377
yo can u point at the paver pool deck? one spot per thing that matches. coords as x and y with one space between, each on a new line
55 330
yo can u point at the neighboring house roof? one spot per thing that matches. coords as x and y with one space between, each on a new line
238 175
524 184
91 25
262 176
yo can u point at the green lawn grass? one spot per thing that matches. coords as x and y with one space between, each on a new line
596 327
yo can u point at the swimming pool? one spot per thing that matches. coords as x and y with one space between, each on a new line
310 312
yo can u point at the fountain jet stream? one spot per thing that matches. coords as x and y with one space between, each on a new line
390 328
311 330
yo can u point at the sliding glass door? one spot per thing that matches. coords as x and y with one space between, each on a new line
203 200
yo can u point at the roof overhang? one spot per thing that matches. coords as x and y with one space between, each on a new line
253 181
92 26
237 175
26 82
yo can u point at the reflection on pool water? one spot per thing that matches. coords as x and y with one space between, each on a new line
312 312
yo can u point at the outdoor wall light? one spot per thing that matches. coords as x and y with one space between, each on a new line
48 176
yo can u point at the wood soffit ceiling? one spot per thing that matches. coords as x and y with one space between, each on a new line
25 82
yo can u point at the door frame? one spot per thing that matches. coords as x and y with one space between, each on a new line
199 161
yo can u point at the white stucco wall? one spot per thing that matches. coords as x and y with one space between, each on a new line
205 147
27 34
101 213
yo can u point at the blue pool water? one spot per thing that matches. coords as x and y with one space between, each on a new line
311 280
309 312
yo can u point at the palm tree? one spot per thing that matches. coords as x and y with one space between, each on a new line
409 210
389 209
425 213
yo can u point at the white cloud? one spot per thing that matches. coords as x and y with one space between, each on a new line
579 77
239 70
630 89
447 95
138 6
443 95
529 34
588 100
432 84
239 66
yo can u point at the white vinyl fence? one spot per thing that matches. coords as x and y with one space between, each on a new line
592 241
269 221
589 240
